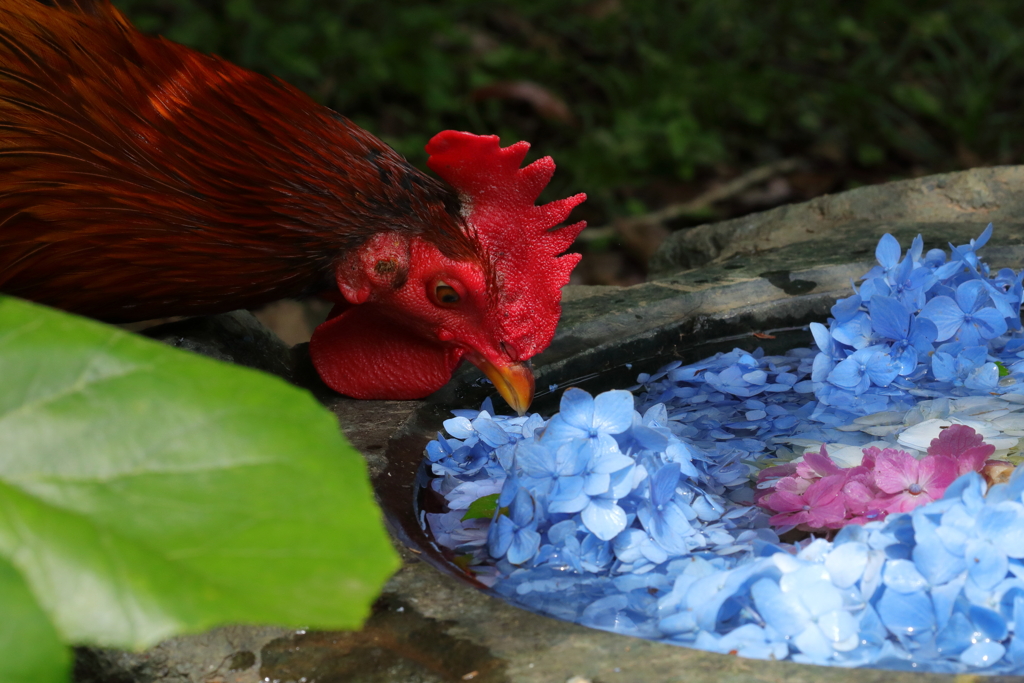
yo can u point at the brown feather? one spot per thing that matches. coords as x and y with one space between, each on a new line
141 179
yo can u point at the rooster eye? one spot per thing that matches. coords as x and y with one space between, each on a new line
445 293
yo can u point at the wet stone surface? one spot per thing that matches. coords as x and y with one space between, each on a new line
777 269
397 643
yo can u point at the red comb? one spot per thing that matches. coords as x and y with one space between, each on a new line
499 203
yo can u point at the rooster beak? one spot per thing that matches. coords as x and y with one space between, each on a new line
513 381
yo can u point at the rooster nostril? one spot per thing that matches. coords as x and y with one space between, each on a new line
509 350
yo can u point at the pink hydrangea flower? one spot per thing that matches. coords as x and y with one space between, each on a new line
821 506
816 465
817 494
963 445
910 482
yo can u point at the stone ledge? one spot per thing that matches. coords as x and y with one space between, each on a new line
976 197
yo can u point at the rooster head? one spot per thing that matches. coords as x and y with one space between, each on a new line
411 314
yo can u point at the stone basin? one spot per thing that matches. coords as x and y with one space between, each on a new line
714 287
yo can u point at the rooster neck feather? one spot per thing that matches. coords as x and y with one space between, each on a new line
130 163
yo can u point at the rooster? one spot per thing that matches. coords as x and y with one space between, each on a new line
141 179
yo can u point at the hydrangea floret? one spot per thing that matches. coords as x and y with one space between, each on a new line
884 454
817 495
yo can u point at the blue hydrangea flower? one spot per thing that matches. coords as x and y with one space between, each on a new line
855 332
968 368
967 319
515 535
591 422
870 365
806 607
910 336
663 517
556 474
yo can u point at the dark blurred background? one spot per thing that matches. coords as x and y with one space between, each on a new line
691 111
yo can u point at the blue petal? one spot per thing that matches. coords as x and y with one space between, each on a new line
888 251
571 505
850 374
706 509
882 369
822 366
576 409
946 315
558 430
822 337
985 378
813 643
955 636
571 459
756 377
989 622
935 563
944 597
604 518
653 552
905 360
522 509
838 625
902 576
875 286
613 412
782 611
983 238
606 457
675 520
459 427
948 270
490 432
1004 524
534 459
971 295
525 544
990 322
889 317
567 489
906 613
944 367
595 484
627 545
844 309
923 334
983 654
846 563
561 531
916 249
663 484
648 439
986 564
855 332
621 482
499 536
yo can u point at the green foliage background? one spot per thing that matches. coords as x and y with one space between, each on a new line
658 90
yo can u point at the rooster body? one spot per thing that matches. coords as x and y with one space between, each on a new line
141 179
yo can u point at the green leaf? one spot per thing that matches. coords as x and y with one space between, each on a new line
1003 370
482 508
146 491
30 651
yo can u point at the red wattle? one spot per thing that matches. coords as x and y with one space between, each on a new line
364 353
